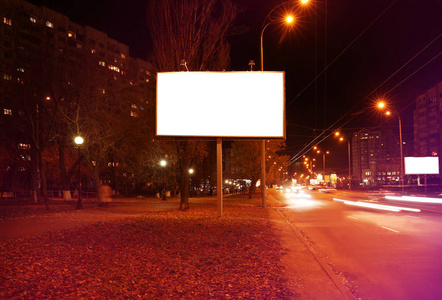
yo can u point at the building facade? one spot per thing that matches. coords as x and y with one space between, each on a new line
428 123
48 62
376 157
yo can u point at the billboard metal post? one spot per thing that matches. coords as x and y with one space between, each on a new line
219 175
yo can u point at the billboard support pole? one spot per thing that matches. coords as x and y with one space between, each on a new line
263 173
219 175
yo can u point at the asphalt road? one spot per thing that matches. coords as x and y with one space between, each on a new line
376 254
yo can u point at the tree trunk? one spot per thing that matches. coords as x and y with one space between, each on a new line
62 166
184 199
252 188
35 174
43 180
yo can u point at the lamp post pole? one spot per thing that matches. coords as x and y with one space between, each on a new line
349 165
402 153
263 143
79 141
163 165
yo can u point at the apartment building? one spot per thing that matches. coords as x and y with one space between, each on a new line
428 123
44 56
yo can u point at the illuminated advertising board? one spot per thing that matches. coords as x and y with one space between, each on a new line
221 104
422 165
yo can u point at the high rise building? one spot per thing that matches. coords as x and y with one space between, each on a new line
48 62
375 157
428 123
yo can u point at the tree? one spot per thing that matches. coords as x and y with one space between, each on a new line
191 33
246 160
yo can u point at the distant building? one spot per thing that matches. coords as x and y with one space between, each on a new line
46 56
428 123
375 157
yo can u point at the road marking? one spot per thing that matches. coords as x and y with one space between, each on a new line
390 229
351 217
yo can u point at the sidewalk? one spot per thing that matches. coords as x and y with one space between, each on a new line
308 277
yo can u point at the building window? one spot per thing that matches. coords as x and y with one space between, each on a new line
92 51
7 77
114 68
7 21
49 24
102 63
33 19
72 34
123 56
7 111
134 114
24 146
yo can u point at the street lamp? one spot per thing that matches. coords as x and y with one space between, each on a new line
382 105
349 157
79 141
163 164
288 20
191 171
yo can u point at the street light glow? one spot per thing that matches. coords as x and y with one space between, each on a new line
304 1
79 140
289 19
163 163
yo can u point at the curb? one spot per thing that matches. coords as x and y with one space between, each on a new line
346 294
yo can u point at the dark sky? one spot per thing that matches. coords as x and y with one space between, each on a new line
399 34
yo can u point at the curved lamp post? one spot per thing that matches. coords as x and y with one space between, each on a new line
79 141
289 19
349 157
382 105
163 164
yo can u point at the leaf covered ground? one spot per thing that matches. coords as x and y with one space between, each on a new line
157 255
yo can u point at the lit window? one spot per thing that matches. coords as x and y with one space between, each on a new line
49 24
134 114
7 21
134 106
7 77
123 56
72 34
24 146
33 19
7 111
102 63
79 46
103 91
147 80
114 68
92 51
20 70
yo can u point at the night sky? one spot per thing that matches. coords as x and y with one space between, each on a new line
401 32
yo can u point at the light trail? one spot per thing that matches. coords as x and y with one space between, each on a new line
390 229
415 199
377 206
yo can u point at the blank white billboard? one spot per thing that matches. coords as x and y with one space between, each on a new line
422 165
221 104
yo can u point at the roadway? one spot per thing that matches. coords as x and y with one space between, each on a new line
376 254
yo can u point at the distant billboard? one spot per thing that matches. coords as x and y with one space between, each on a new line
422 165
221 104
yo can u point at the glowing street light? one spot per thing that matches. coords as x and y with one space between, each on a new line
79 141
382 105
341 139
163 164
